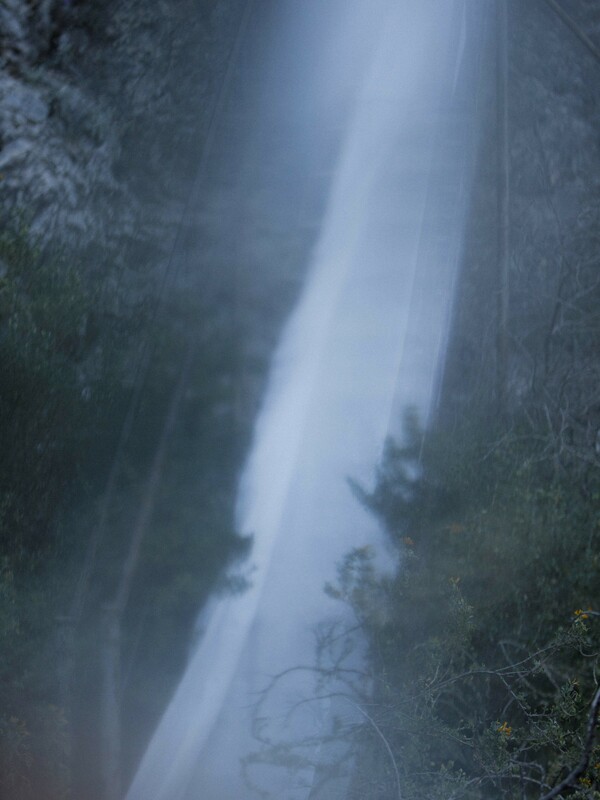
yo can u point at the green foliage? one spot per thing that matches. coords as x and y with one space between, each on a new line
33 731
50 399
71 343
54 379
484 656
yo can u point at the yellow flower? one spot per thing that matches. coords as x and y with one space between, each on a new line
505 729
585 781
580 613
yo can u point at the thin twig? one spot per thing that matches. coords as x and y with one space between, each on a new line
385 742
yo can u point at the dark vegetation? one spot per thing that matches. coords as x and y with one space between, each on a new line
67 366
95 321
484 646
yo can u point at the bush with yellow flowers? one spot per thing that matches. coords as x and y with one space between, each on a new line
484 662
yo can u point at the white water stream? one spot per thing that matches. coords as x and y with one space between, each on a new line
366 340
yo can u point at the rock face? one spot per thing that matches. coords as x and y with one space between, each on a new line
97 110
56 179
551 286
104 112
58 144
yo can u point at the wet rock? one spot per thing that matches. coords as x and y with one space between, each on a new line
14 153
101 106
15 44
21 106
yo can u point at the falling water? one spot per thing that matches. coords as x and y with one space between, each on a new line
366 339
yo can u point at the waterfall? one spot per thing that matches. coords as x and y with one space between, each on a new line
366 339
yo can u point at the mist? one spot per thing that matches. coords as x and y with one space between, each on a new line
299 409
366 340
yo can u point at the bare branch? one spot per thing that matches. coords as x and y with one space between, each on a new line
385 742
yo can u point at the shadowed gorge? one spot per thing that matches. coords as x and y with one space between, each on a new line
299 411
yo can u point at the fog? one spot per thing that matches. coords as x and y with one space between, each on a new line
398 81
